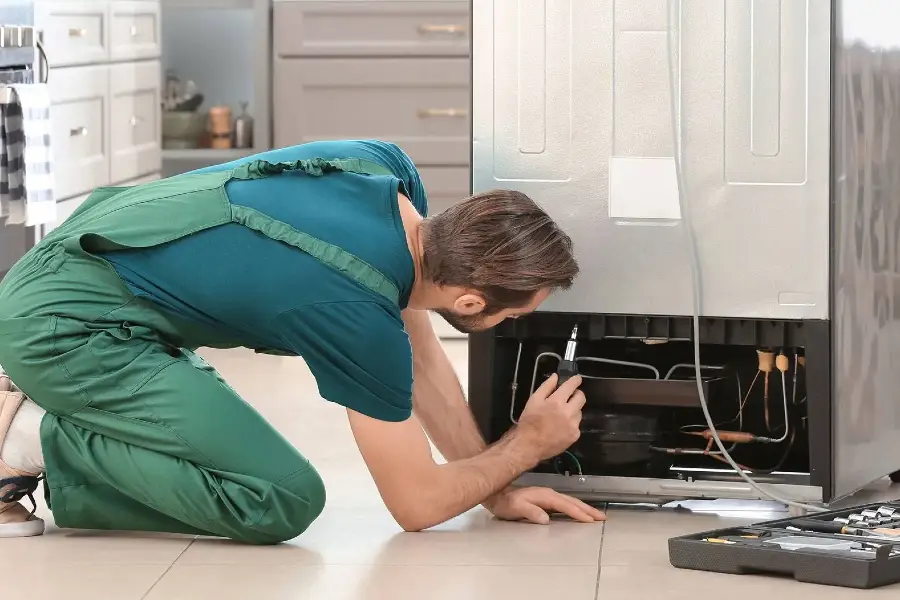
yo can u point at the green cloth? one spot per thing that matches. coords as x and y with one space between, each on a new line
140 434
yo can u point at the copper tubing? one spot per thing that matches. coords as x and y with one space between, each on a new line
737 437
766 365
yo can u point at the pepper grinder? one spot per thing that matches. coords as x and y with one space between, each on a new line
220 127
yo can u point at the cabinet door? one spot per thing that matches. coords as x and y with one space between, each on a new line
445 186
79 105
135 128
371 28
64 209
420 104
75 33
134 30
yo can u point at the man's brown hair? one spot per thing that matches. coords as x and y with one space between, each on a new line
501 244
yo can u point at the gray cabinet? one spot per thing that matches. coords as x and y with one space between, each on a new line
396 70
372 28
445 186
421 105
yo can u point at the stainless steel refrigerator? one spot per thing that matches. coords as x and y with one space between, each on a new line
787 123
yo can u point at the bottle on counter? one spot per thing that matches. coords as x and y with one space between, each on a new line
243 128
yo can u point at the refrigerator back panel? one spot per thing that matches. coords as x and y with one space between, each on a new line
571 106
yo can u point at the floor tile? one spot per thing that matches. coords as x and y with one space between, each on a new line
356 550
280 582
639 536
357 537
643 581
65 547
101 581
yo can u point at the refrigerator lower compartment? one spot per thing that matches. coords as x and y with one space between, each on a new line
644 437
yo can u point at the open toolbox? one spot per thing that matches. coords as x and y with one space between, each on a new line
857 547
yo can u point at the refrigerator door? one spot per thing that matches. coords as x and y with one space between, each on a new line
866 319
571 105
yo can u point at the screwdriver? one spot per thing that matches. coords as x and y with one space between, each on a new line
567 367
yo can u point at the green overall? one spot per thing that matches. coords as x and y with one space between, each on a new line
141 434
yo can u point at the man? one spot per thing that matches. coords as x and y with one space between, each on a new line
319 251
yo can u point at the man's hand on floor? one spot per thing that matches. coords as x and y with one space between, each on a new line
534 503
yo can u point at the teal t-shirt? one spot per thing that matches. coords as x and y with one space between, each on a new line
240 285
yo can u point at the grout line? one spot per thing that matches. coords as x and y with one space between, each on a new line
169 568
600 554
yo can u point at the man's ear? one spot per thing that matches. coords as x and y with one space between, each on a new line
469 304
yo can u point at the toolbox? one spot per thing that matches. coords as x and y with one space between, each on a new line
856 547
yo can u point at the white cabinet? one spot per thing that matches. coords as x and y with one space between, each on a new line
80 107
64 209
134 119
134 30
105 86
75 33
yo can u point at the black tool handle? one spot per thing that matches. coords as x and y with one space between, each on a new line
565 371
818 526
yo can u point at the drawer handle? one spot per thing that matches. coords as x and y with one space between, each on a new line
78 132
135 121
448 29
133 31
447 113
77 32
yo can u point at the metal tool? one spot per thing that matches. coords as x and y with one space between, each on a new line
827 527
567 367
856 519
888 512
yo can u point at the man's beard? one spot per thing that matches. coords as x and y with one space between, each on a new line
461 323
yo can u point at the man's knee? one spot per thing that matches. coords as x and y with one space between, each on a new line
297 501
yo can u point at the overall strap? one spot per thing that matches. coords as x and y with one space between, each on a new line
316 167
325 252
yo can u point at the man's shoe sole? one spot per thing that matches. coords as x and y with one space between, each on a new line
29 528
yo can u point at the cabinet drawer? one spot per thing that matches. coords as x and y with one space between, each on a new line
445 186
422 104
134 30
79 98
371 28
135 146
76 33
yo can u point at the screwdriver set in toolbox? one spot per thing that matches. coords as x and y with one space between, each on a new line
857 547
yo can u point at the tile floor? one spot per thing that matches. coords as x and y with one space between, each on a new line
356 551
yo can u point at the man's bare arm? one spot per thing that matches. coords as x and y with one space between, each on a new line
438 398
420 493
